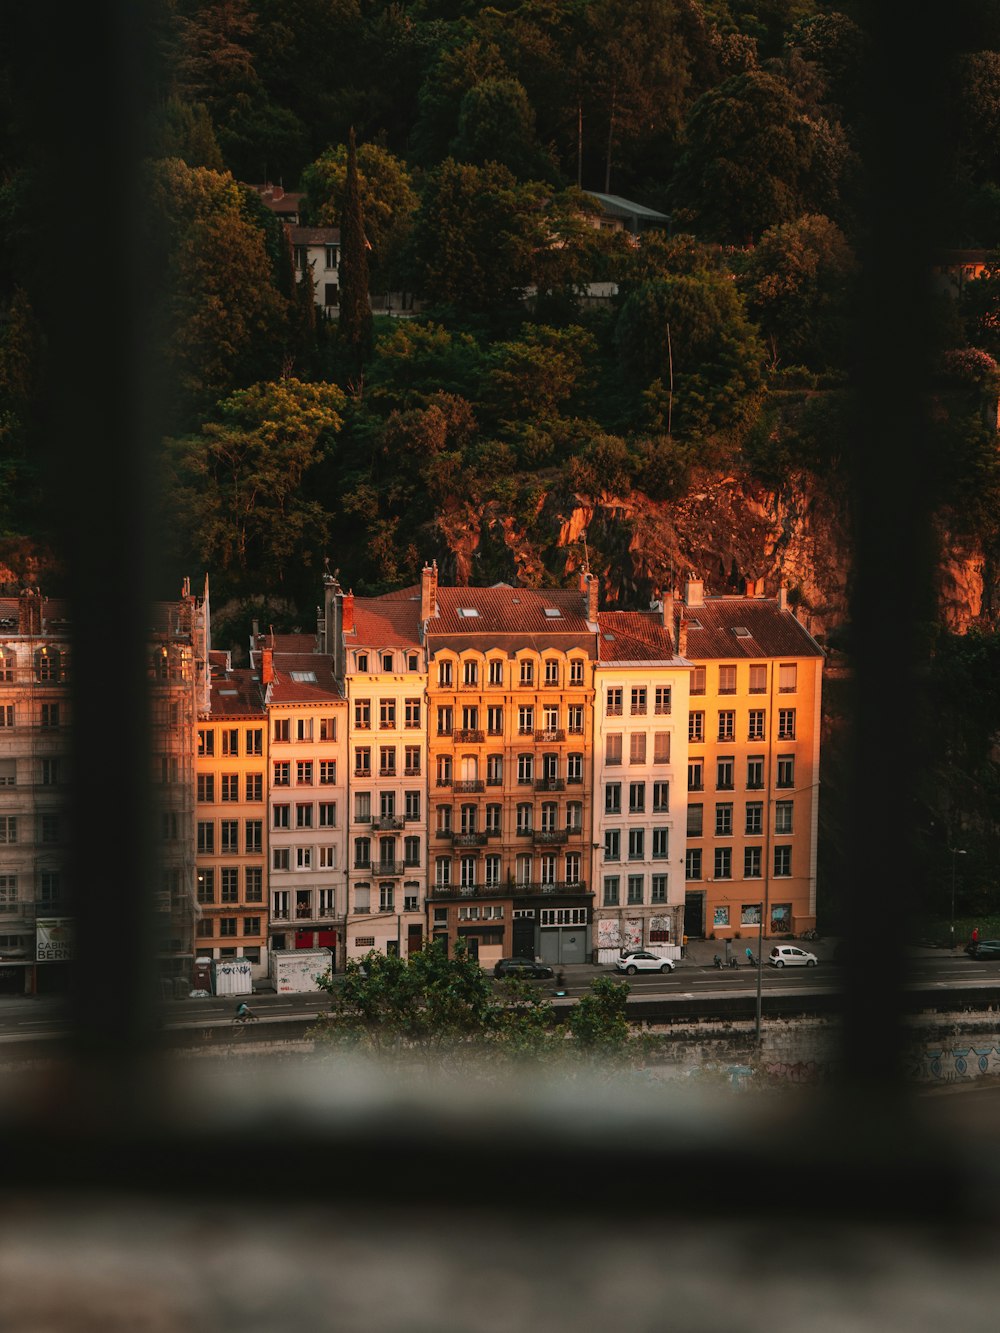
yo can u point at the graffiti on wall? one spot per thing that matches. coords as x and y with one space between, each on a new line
937 1065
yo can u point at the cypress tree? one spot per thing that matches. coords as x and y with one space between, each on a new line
355 311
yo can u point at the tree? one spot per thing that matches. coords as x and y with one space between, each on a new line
355 308
388 200
239 491
799 283
496 123
186 131
597 1021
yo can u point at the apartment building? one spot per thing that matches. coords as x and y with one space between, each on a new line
380 663
752 764
230 828
640 770
306 792
510 715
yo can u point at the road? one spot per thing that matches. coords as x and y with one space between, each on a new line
24 1019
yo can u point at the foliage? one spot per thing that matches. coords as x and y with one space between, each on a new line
496 123
355 326
597 1021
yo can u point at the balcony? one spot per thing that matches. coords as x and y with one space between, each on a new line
474 839
388 869
470 736
362 819
303 913
550 784
550 837
508 891
496 780
559 886
551 734
466 786
411 771
387 822
443 782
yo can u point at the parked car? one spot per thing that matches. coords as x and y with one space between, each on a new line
641 960
788 955
983 949
522 967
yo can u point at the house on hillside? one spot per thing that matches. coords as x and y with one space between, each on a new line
316 252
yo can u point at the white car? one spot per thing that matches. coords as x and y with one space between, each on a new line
787 955
640 960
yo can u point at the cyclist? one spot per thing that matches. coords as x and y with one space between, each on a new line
244 1012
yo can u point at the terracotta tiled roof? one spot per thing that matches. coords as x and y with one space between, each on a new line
285 689
288 643
238 694
771 632
384 623
505 610
314 235
634 636
412 593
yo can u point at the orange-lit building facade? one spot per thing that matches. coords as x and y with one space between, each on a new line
752 765
510 697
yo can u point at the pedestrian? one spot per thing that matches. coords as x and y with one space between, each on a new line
975 934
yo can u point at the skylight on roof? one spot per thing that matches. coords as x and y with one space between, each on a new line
467 611
304 676
232 692
553 613
609 638
694 624
742 632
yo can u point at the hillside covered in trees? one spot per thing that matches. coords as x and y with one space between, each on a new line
695 420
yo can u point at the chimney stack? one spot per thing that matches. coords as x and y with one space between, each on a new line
267 667
782 597
667 608
682 636
29 609
591 590
428 592
694 592
347 613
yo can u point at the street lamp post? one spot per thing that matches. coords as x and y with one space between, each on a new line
955 852
760 965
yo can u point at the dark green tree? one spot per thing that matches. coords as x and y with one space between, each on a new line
496 123
355 309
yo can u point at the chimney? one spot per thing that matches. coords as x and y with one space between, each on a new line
782 597
682 636
590 589
29 608
694 592
267 667
667 608
347 613
428 592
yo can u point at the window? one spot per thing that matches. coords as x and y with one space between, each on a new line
698 681
282 773
524 822
661 747
636 844
692 863
522 869
574 817
327 772
613 748
494 770
525 769
635 887
387 761
227 926
696 727
254 886
527 672
386 898
572 867
786 724
50 773
230 741
755 772
695 817
492 876
661 796
281 816
445 720
206 837
206 787
756 723
758 680
362 853
611 890
723 819
782 861
495 671
205 928
470 718
661 844
637 747
467 872
8 660
304 773
229 835
50 715
411 805
251 925
494 721
206 741
303 816
206 885
254 786
493 816
550 812
411 714
636 797
787 674
727 725
254 829
525 720
724 775
328 728
411 760
387 713
444 673
783 816
282 729
786 771
444 770
362 761
442 870
411 901
574 768
612 798
362 807
230 787
612 845
551 671
387 804
614 701
727 680
659 889
751 863
637 708
281 859
279 903
388 662
230 885
363 714
411 851
470 673
755 818
576 671
696 775
574 719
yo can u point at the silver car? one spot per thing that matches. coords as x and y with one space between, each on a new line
787 955
641 960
